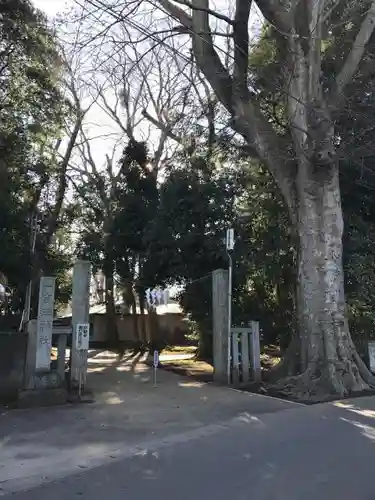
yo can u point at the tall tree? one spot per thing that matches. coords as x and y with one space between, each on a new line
355 152
304 163
33 112
142 100
303 160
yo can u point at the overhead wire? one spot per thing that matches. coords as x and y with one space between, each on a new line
147 32
119 18
138 283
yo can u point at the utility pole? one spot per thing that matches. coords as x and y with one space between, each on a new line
229 248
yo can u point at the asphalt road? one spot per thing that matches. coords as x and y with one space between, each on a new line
308 453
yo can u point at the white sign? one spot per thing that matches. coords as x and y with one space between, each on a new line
156 359
371 356
45 323
82 336
230 239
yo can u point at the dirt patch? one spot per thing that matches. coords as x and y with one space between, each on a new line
198 370
170 350
203 372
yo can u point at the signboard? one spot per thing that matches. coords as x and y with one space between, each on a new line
230 239
156 359
82 336
45 323
371 356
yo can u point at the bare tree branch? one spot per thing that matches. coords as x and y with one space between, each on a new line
355 55
209 11
177 13
66 157
165 130
241 45
56 211
207 57
276 14
248 120
315 49
329 10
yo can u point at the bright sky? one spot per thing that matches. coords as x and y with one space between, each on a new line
97 122
52 7
97 119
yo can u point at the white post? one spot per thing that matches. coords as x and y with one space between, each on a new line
156 364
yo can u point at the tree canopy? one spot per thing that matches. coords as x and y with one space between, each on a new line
33 109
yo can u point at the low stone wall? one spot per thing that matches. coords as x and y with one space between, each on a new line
13 347
171 327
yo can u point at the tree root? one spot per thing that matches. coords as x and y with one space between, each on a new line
326 381
289 364
365 373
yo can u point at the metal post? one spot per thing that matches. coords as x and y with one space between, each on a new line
156 364
230 273
229 247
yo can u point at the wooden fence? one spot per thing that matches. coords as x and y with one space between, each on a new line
245 350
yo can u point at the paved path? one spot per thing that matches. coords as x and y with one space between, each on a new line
323 452
130 414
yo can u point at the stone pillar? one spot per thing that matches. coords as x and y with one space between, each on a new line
80 314
220 324
30 362
45 323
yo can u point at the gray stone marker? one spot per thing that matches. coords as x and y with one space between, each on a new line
80 314
45 323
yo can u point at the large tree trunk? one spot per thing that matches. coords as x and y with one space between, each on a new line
134 314
110 305
329 363
142 309
111 323
304 169
55 214
109 269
